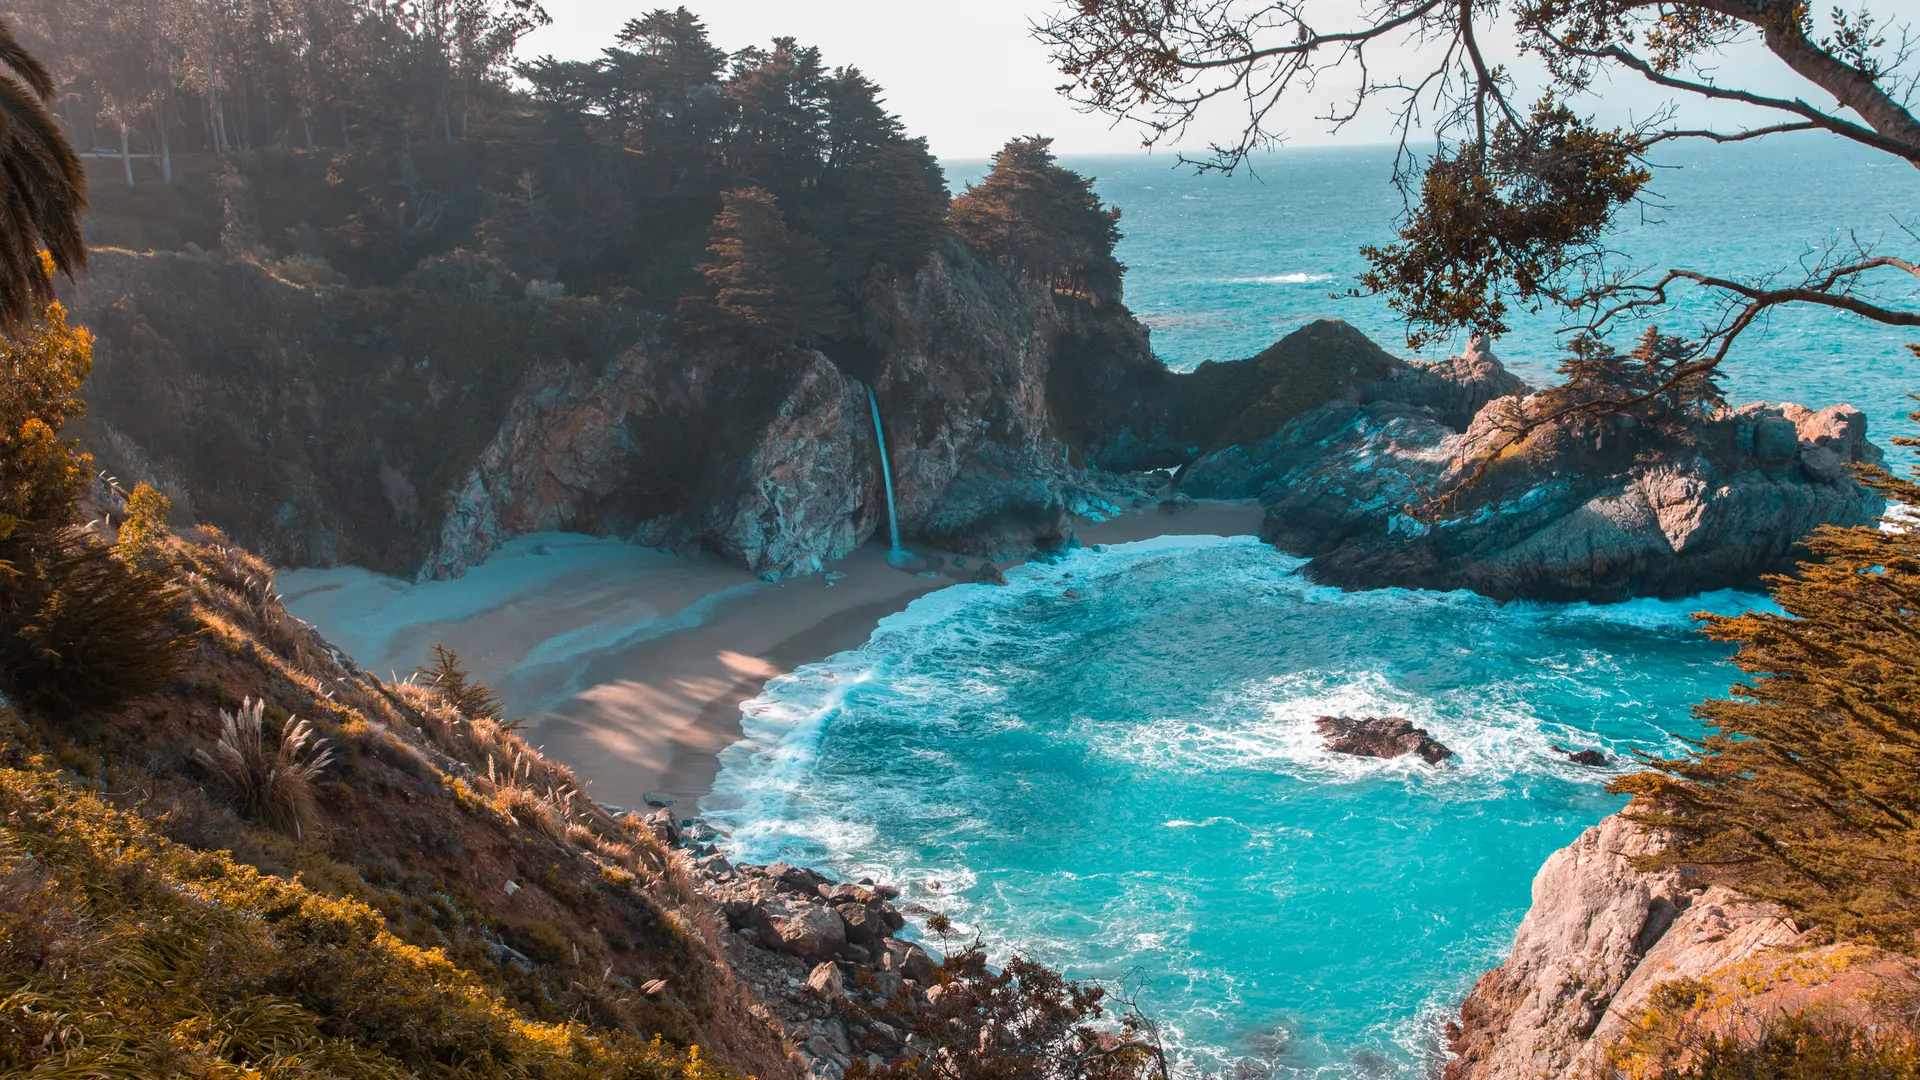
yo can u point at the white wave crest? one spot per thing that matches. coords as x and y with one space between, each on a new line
1295 278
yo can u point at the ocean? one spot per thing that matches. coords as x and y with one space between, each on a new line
1220 267
1110 765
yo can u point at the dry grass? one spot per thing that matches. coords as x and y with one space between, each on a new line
273 785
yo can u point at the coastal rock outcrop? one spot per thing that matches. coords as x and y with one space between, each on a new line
1380 737
413 432
1601 941
1598 512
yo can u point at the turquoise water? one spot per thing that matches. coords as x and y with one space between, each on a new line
1221 267
1110 765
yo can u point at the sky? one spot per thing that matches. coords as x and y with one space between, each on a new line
968 74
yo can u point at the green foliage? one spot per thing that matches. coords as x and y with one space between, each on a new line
457 687
1658 382
124 955
79 628
1803 791
1795 1048
1043 221
46 189
42 367
1506 221
143 531
765 284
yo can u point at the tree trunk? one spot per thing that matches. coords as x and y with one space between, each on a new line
306 124
126 155
160 128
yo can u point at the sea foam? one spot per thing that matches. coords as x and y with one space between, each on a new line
1110 764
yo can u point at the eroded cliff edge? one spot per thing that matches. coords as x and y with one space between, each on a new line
1612 965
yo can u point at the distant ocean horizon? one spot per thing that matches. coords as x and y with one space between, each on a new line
1220 267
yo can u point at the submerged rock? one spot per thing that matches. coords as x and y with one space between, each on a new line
1380 737
1593 758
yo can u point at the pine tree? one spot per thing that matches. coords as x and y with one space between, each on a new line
765 284
1667 365
1803 791
445 676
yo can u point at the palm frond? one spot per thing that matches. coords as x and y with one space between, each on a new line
43 188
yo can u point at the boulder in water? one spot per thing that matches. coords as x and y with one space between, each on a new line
989 574
1593 758
1380 737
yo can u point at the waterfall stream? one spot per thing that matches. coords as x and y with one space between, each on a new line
886 477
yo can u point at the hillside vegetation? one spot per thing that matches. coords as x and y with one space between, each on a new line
225 850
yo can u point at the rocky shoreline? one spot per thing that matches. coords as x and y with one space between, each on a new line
821 958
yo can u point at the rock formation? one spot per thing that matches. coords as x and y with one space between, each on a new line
1603 938
1380 737
413 431
1595 511
820 955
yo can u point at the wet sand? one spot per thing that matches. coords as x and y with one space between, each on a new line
630 664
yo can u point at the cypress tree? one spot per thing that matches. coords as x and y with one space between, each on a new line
1043 221
1803 791
765 284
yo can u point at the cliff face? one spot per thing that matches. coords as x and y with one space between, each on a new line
412 430
1611 963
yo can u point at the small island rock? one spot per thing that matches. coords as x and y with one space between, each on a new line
1380 737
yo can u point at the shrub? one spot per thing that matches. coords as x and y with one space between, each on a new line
122 955
1787 1048
143 531
458 688
272 785
81 629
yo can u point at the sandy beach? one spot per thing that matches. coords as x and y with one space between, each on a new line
631 664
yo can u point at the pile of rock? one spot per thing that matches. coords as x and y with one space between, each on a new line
820 956
1380 737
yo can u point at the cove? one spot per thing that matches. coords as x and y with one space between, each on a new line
1110 765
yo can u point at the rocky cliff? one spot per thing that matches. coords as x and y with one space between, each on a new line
413 429
1412 479
1613 966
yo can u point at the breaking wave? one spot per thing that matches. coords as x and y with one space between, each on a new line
1110 764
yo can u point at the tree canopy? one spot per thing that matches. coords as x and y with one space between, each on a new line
1043 221
1513 204
765 284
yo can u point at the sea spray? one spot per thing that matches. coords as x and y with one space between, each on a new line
896 552
1110 765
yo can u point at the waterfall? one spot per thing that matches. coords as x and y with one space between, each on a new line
886 474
